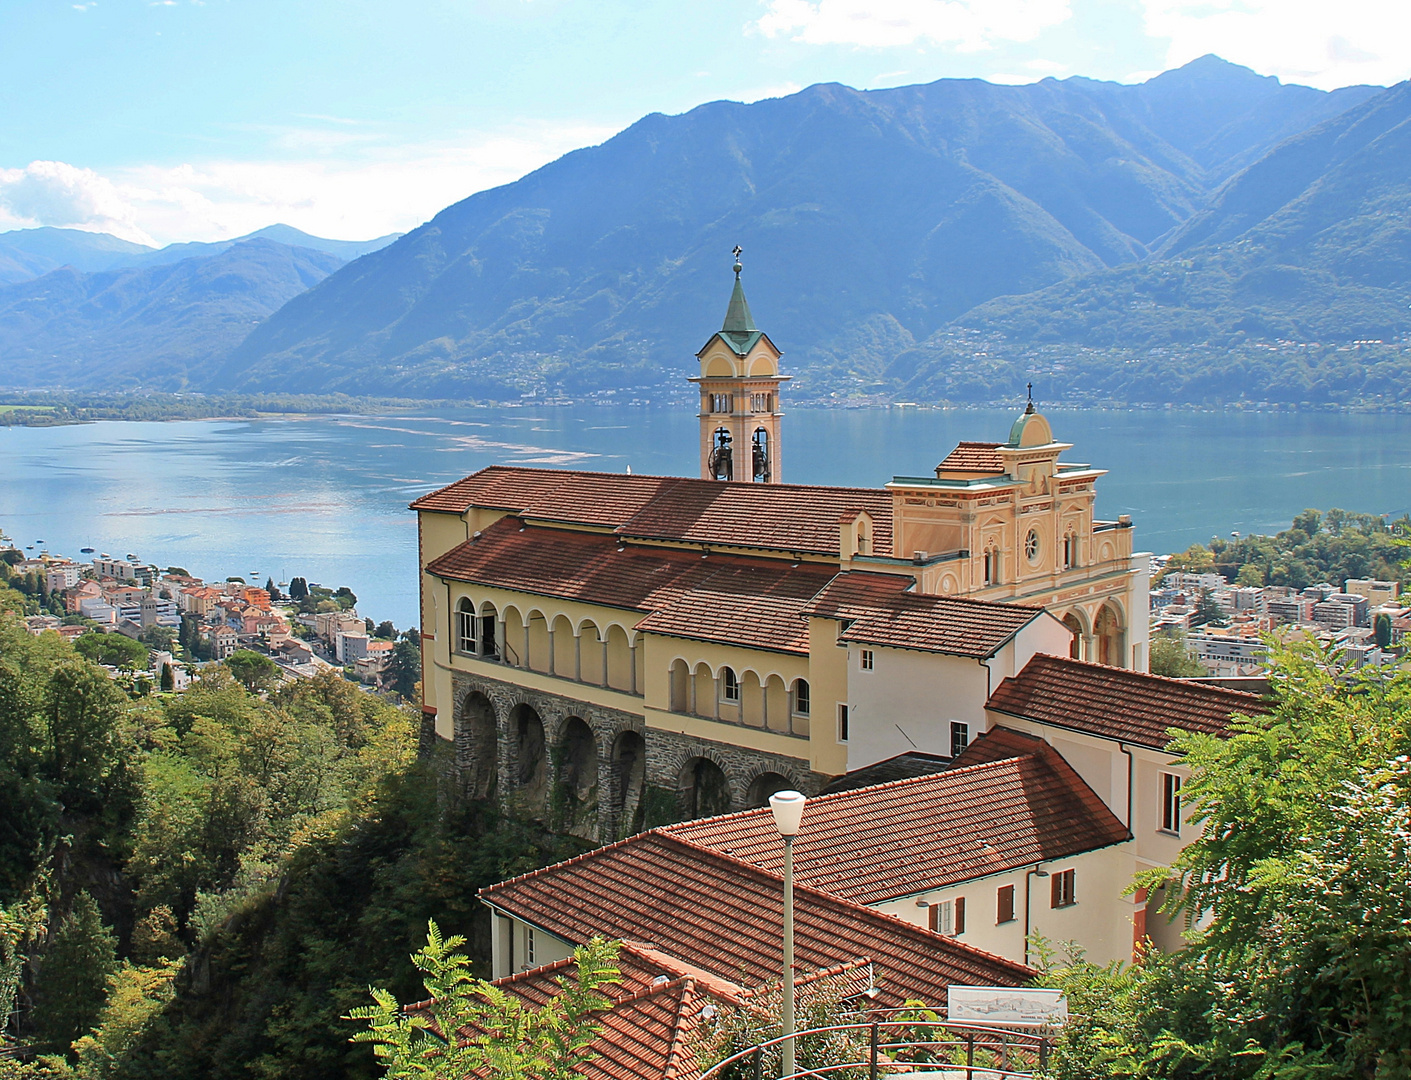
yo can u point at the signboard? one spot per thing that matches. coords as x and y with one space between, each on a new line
1007 1005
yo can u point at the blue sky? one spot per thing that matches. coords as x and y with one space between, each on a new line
182 119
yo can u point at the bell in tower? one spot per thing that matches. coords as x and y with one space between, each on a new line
739 382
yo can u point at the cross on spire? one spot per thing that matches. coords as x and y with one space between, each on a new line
1030 407
736 253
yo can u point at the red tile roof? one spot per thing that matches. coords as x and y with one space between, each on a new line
880 611
725 915
997 744
1116 703
779 517
973 457
731 599
906 837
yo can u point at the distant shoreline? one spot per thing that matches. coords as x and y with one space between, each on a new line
61 409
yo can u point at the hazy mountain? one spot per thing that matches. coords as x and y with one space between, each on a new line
159 326
1310 243
346 250
28 253
870 220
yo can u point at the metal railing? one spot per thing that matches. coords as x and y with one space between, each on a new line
937 1049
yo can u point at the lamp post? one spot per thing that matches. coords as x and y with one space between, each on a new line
788 815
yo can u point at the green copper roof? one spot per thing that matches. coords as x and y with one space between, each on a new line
738 319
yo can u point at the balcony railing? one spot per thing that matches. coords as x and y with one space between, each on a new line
936 1049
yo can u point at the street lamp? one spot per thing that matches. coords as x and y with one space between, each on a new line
788 815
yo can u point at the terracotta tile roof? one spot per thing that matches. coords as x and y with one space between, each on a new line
780 517
997 744
725 915
901 767
973 457
880 611
897 839
499 487
1116 703
731 599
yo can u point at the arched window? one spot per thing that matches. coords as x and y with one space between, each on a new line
801 697
864 542
465 626
760 456
489 647
721 456
991 566
1070 550
729 685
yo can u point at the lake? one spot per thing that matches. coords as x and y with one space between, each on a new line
326 497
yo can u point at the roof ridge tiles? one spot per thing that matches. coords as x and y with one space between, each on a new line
1145 676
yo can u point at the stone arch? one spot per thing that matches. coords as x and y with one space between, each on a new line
629 766
477 745
1107 628
1075 627
578 751
703 788
531 761
765 785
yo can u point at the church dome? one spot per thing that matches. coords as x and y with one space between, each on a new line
1031 429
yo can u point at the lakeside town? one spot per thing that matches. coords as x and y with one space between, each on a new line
157 628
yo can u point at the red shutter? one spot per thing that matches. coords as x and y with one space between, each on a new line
1056 891
959 915
1005 904
935 917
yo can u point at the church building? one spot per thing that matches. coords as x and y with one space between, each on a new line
609 652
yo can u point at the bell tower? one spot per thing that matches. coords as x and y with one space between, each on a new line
739 384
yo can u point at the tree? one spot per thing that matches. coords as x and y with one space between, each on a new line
81 713
254 670
1308 523
272 589
168 679
472 1027
1381 630
386 630
345 598
72 983
404 667
298 589
113 650
1171 657
1250 575
1207 611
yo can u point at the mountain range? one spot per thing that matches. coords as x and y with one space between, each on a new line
937 240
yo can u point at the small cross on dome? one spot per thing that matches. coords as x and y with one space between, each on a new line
736 253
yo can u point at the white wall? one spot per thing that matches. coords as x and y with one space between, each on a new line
509 944
1100 921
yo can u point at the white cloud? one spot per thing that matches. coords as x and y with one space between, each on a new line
968 25
382 191
1305 41
56 193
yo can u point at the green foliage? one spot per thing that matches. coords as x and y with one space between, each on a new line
254 670
351 905
1381 630
135 996
1207 611
72 983
1308 553
1304 960
1169 656
113 650
404 667
471 1025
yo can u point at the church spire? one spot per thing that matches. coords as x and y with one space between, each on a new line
738 319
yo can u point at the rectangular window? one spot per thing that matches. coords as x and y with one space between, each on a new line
959 738
1171 803
529 946
842 723
1061 885
465 632
866 659
801 701
943 918
1004 904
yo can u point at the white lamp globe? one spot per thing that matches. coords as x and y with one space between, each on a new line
788 811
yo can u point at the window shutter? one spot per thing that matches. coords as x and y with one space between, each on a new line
959 915
935 918
1005 904
1056 890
